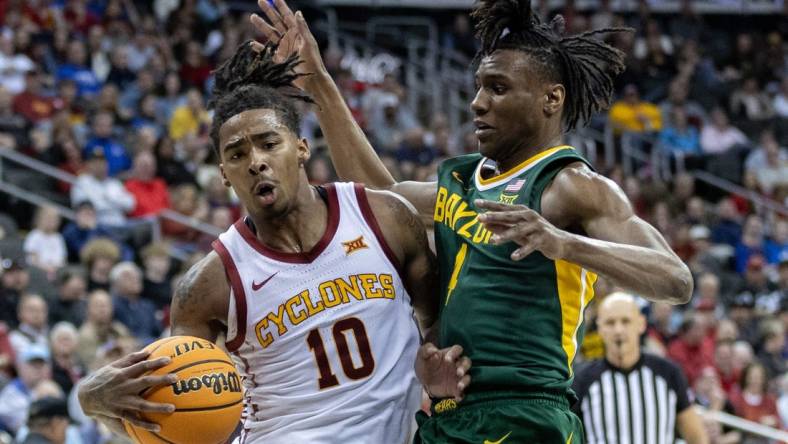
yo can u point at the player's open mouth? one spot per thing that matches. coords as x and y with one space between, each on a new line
266 191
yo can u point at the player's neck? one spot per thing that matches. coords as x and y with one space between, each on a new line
300 229
526 150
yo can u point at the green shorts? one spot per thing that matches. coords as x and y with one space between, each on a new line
501 418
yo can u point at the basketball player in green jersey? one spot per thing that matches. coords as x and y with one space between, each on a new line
521 229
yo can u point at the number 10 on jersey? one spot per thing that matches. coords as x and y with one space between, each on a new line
352 326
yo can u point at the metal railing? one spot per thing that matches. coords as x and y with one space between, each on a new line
744 425
49 171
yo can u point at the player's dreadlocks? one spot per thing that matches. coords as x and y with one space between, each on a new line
584 65
251 79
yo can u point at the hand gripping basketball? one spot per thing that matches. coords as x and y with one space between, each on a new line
114 391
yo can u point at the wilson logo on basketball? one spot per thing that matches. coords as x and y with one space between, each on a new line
218 382
354 245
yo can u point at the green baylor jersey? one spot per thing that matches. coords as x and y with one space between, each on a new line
520 322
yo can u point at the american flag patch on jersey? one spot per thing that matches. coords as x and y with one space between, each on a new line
515 185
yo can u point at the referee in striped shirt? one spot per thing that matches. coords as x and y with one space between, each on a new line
630 397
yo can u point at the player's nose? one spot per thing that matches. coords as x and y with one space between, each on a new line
480 104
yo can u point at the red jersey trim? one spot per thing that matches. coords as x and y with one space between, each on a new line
298 258
238 293
369 217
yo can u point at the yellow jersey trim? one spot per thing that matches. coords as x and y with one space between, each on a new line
518 169
575 290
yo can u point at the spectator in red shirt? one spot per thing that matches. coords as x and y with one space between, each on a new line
195 70
6 354
149 191
728 374
693 349
32 104
754 402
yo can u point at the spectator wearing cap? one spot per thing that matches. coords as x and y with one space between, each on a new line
71 295
742 311
33 368
156 284
108 196
134 311
99 256
115 153
693 349
33 327
99 328
757 282
44 245
83 229
67 369
704 259
14 281
150 192
47 421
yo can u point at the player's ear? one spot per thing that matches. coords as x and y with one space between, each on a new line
554 98
641 323
304 152
225 182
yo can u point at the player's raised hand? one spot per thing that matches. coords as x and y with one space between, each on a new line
525 227
444 372
290 32
113 391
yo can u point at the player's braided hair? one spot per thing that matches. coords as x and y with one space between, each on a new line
251 79
584 65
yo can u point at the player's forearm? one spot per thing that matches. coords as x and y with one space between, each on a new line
354 158
653 274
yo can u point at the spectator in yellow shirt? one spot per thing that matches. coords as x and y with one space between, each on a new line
191 118
630 114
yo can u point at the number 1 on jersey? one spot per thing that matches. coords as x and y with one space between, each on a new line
327 377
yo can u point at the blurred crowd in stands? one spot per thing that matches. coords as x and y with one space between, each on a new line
115 92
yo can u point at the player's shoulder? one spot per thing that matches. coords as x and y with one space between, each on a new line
206 275
389 205
579 188
464 164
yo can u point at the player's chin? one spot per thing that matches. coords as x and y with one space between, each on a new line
488 148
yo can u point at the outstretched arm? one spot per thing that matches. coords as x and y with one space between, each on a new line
353 157
619 245
199 306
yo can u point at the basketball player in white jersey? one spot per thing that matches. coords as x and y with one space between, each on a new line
315 290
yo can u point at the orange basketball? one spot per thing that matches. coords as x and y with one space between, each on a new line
208 396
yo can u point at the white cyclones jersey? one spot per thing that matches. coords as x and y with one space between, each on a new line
325 340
